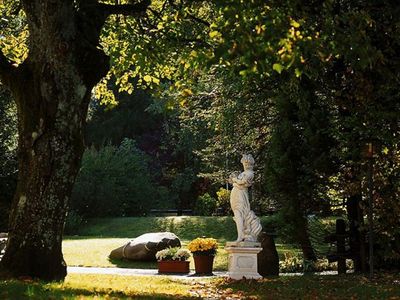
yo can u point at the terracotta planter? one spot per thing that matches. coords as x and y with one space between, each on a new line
203 264
173 266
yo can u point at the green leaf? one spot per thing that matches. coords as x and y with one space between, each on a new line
278 68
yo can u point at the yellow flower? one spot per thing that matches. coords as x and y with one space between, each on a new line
203 244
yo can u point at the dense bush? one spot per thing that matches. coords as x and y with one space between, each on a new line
205 205
73 223
113 181
223 204
292 263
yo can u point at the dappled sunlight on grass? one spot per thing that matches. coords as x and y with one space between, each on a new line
132 286
104 235
97 287
93 252
317 287
87 286
287 249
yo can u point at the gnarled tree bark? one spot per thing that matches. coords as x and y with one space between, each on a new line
52 89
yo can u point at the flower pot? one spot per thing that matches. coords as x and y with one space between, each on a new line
173 266
203 264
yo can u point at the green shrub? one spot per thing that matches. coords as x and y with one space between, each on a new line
205 205
113 181
294 263
73 223
272 224
223 201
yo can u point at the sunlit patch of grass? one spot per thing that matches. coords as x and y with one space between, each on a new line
90 251
85 286
93 252
101 236
289 249
127 285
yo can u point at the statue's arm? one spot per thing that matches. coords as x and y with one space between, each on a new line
243 180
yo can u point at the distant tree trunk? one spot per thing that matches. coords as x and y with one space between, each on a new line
303 239
357 237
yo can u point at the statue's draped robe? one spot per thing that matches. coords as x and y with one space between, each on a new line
240 204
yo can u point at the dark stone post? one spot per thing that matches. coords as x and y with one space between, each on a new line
267 259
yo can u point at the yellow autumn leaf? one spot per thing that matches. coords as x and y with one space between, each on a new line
186 93
147 78
295 24
214 34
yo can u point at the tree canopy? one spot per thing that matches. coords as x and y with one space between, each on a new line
303 85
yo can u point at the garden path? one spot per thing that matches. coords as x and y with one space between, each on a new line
136 272
154 272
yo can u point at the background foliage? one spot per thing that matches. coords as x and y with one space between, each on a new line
302 86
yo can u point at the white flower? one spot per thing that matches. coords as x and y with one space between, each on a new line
182 254
173 254
162 254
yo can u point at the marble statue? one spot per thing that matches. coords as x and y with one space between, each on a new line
247 223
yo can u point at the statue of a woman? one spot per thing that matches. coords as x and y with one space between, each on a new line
247 224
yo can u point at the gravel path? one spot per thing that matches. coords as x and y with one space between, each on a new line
154 272
135 272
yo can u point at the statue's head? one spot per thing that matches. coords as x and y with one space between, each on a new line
247 161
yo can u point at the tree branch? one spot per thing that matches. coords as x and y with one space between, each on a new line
198 20
125 9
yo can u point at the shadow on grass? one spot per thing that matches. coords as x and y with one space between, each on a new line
125 263
36 290
355 286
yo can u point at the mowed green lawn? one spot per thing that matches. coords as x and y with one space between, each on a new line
93 252
88 286
100 236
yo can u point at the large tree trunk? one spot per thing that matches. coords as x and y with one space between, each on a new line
49 156
52 90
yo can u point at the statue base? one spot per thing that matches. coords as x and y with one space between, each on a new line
242 261
243 244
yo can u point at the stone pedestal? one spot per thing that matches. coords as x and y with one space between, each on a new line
242 261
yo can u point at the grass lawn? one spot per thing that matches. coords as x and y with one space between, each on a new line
85 286
100 236
185 227
386 286
93 252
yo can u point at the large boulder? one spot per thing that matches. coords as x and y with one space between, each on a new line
144 247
